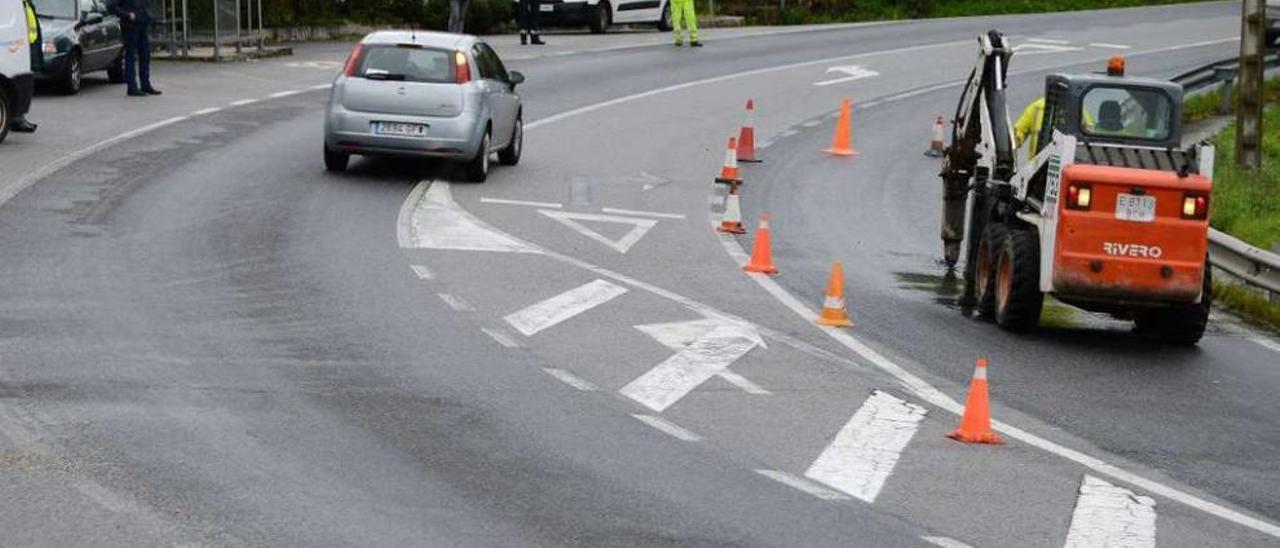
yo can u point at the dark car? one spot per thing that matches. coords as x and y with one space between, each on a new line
79 37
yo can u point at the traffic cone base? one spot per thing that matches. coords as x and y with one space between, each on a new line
762 253
834 311
975 424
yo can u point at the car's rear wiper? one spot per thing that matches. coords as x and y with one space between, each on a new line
379 75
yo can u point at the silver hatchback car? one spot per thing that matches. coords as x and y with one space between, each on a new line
425 95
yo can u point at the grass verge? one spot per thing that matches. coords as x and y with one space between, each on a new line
1202 106
1248 303
1246 204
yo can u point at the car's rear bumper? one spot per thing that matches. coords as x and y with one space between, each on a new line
453 138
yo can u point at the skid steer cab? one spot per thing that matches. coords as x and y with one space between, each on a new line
1110 213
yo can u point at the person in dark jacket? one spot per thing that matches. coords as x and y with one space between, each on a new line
135 21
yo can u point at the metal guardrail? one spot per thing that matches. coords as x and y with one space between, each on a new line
1256 267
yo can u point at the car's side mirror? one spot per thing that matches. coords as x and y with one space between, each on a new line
515 78
90 18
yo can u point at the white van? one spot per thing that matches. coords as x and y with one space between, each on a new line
16 81
599 14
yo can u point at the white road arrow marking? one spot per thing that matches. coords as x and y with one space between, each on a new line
640 227
854 72
864 452
559 308
707 356
1107 515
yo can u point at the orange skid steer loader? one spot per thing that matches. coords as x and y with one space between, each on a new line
1109 214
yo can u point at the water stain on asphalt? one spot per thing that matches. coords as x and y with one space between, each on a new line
945 288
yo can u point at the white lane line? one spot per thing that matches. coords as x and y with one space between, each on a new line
243 102
552 205
1265 343
855 72
802 484
686 85
668 427
788 133
812 123
1107 515
1109 46
322 86
862 456
423 272
552 311
205 111
639 227
456 303
289 93
693 365
945 542
1049 41
570 379
501 337
642 213
430 219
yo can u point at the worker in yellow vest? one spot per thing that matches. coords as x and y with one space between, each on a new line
20 124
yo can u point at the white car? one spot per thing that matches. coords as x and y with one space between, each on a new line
16 81
599 14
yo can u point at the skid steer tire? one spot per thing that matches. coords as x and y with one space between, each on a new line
1018 296
1181 325
988 257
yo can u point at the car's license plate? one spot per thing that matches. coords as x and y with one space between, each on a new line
1136 208
399 129
546 7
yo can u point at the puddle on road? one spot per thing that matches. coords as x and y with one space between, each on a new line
946 289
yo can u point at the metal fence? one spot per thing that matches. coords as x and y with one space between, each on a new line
207 28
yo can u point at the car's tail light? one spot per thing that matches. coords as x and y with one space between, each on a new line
353 62
463 69
1195 206
1079 196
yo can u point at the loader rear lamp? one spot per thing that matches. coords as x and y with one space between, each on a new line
1079 196
1195 206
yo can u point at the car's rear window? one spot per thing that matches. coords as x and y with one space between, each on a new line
411 64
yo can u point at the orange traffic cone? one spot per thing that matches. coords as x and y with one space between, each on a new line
975 425
936 146
842 141
729 173
747 137
732 220
834 312
762 254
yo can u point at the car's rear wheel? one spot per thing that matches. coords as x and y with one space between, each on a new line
335 161
664 24
478 167
4 115
70 83
510 156
602 18
115 71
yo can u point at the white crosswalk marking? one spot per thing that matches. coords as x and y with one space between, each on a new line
864 452
545 314
1111 516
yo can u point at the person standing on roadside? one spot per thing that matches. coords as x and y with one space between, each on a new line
457 16
135 20
19 123
682 12
527 19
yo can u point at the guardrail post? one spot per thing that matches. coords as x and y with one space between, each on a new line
238 27
1226 75
216 32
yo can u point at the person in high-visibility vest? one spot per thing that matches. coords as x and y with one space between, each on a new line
1028 125
682 11
20 124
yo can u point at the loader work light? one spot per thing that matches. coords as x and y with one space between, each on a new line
1115 65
